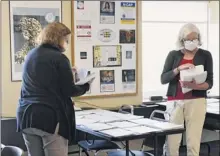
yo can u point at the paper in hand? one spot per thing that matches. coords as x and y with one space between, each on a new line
197 73
86 79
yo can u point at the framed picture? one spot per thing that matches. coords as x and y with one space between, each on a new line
107 56
27 19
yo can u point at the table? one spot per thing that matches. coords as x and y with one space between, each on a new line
130 137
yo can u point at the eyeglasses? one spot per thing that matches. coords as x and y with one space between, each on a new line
190 41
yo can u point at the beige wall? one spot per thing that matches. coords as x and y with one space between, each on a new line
11 90
214 11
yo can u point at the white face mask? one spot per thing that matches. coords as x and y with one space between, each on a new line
191 45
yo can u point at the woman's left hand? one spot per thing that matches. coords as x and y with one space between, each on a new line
187 84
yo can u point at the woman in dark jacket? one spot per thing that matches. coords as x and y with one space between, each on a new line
45 112
187 107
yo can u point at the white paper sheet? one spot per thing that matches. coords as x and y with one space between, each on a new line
142 129
86 80
99 126
85 121
157 124
117 132
123 124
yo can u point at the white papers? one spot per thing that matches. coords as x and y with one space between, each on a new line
157 124
85 121
123 124
142 129
86 80
99 126
117 132
196 73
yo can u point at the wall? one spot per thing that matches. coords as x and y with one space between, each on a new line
11 90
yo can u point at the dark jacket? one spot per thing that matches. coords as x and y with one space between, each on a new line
202 57
47 88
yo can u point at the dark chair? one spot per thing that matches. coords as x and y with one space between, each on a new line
96 145
11 151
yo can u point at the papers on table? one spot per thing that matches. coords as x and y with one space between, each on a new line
142 129
99 126
117 124
117 132
123 124
196 73
157 124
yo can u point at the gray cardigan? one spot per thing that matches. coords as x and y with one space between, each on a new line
202 57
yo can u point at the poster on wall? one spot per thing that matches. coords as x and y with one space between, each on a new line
107 56
27 19
83 30
107 81
128 14
128 79
127 36
80 5
106 35
107 12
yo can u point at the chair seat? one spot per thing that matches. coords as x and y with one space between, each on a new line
97 145
122 153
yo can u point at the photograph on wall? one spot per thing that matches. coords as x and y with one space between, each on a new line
80 5
107 56
128 54
128 14
107 12
83 30
107 81
128 79
106 35
127 36
83 55
27 19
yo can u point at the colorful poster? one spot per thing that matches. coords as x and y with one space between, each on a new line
128 79
127 36
83 30
128 13
107 12
107 81
107 56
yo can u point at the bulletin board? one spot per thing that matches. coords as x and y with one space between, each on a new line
104 42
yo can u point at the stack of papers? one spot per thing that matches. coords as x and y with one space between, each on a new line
157 124
197 73
85 121
85 80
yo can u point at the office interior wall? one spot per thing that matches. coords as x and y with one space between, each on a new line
11 90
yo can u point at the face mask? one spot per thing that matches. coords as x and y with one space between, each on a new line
191 45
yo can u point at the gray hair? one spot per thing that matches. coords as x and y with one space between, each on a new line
186 30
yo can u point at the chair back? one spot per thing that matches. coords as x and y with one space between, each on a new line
11 151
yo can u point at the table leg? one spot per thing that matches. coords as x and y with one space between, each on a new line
127 147
155 146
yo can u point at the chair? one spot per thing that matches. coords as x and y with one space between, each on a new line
96 145
11 151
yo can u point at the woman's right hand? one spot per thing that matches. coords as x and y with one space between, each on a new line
185 66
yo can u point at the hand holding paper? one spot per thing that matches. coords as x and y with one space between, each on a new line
191 77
